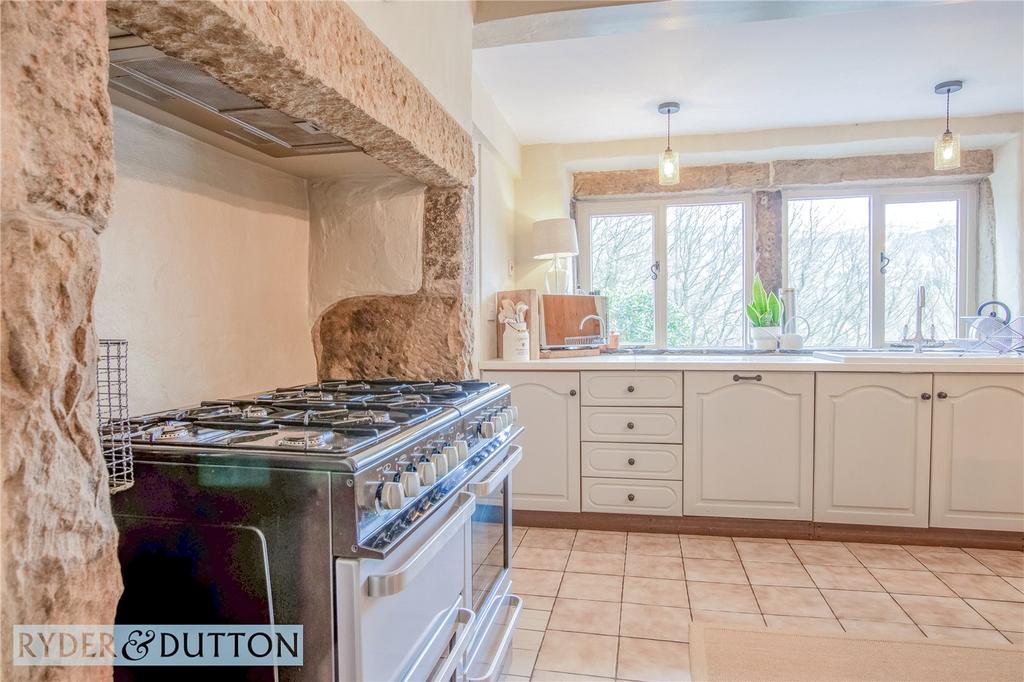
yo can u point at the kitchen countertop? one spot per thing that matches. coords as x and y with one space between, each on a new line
764 363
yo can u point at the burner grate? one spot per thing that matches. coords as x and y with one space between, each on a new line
112 411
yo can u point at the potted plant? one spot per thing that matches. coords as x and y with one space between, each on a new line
765 314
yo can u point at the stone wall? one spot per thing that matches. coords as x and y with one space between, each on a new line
59 539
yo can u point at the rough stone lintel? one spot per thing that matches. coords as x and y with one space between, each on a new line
318 61
691 179
768 238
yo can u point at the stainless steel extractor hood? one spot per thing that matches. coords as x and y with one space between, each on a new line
142 72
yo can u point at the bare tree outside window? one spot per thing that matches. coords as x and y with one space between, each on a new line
621 254
705 275
829 257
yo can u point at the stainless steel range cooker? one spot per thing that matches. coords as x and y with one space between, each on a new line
374 513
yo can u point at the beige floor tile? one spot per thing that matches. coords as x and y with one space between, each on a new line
981 553
540 558
1015 637
1003 565
864 606
550 676
708 548
527 639
529 619
657 591
646 566
721 597
791 601
785 575
1015 581
951 611
777 541
590 586
714 571
518 533
549 538
532 601
521 662
574 652
513 678
881 629
655 622
947 560
971 586
1003 615
600 541
653 544
828 555
756 550
647 660
804 624
726 617
843 578
579 615
969 635
895 580
885 556
540 583
596 562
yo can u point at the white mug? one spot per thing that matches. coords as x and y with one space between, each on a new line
791 342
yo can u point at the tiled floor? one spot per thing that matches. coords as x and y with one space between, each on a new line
603 605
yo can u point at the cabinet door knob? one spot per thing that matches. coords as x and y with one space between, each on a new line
941 395
630 388
631 497
926 396
631 461
630 425
572 391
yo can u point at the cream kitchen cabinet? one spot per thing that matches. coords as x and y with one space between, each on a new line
977 478
650 389
548 477
872 448
748 444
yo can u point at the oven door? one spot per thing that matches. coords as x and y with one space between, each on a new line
496 608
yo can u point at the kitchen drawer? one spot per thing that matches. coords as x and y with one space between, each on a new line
612 496
633 460
632 424
632 388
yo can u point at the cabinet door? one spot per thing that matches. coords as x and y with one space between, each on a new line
872 446
747 444
548 477
977 452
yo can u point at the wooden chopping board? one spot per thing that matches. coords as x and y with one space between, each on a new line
562 315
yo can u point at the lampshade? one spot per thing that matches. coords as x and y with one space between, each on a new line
554 237
947 151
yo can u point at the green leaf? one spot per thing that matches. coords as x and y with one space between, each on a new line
766 320
760 300
775 308
753 316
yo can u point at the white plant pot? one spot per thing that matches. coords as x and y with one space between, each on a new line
765 338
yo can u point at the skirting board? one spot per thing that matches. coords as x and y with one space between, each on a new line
768 528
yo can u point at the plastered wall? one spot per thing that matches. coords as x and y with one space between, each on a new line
204 270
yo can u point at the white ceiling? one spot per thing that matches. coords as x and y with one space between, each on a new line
844 68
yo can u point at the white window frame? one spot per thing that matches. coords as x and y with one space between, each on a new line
878 196
589 208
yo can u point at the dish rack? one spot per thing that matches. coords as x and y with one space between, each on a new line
594 340
112 404
998 337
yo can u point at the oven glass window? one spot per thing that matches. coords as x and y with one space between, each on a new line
489 545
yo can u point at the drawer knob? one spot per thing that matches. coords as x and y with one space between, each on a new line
926 396
631 461
631 497
631 388
572 391
942 395
630 425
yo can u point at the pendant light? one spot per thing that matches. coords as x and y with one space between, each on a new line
668 160
947 145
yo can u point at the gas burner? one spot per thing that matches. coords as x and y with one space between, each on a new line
305 440
174 432
255 411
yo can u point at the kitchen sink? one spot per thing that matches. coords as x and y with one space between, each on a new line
909 357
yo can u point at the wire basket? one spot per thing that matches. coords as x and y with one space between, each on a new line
112 399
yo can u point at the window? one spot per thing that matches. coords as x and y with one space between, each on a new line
675 272
857 258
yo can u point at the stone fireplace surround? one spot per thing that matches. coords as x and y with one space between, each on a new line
59 539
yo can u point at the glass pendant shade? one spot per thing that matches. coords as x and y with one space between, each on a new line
668 167
947 151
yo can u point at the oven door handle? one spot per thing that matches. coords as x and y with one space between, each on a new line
457 616
386 584
495 669
500 473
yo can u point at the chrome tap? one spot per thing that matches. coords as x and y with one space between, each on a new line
918 340
600 323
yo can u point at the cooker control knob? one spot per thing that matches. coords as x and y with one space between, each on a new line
427 472
410 483
487 429
440 463
462 447
500 422
451 453
510 415
392 496
515 412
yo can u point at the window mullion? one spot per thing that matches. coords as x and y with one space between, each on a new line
877 279
661 284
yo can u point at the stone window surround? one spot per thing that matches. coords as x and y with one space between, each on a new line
766 181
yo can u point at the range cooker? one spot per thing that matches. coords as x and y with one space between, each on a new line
374 513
